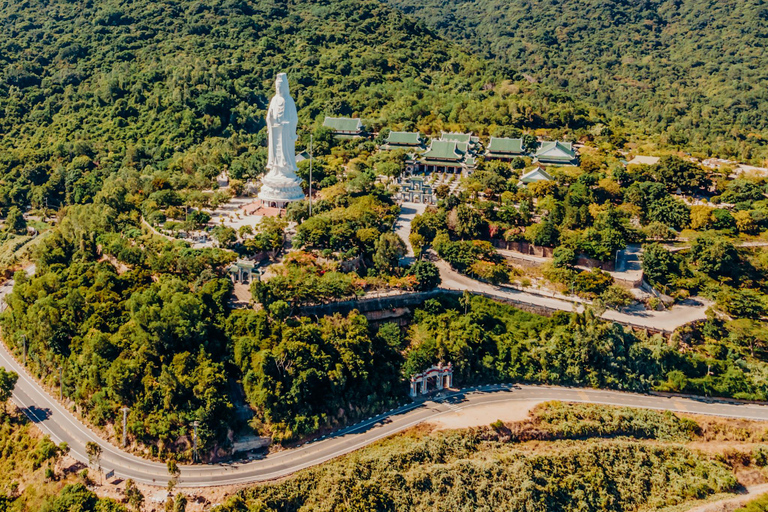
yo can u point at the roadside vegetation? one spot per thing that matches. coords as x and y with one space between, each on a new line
34 476
492 342
602 458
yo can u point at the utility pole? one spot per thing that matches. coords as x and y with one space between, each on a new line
195 424
311 151
61 383
24 345
125 425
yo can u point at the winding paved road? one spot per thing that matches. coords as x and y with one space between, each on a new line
53 419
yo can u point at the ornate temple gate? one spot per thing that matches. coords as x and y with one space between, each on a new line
443 376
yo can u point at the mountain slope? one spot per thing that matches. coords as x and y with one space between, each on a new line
88 88
693 70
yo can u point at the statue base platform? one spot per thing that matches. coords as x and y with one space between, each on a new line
278 191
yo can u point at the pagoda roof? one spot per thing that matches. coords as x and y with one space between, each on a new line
404 138
343 124
556 151
506 145
445 163
444 150
537 174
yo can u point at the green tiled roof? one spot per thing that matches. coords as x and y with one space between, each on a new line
535 175
505 145
343 124
556 151
443 150
457 137
404 138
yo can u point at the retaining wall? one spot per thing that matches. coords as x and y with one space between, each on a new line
394 307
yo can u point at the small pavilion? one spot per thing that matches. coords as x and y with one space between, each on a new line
537 174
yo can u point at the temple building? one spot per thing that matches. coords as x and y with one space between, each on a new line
344 127
445 156
452 152
408 141
556 153
505 149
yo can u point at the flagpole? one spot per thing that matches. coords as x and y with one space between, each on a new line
311 142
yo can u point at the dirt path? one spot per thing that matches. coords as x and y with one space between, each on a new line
730 504
484 415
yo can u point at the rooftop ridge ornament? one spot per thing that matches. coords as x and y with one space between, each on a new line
281 185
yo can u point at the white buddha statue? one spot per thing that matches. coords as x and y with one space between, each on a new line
281 185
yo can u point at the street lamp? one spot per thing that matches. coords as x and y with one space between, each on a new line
24 345
311 151
195 424
125 425
61 383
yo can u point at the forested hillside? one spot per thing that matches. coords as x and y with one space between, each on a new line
182 86
112 110
692 71
117 114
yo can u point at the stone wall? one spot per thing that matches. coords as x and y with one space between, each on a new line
394 307
372 305
546 252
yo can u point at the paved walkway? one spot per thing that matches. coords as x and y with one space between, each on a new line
403 226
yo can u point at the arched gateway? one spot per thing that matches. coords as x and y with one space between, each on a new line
442 375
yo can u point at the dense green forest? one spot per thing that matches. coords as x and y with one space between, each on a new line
591 457
179 89
690 72
109 114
